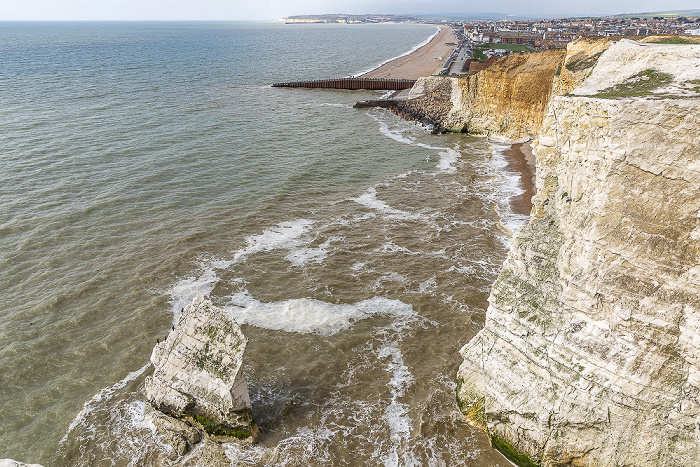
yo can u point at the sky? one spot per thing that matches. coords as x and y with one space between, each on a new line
274 9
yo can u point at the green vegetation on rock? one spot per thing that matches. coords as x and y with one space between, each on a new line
475 412
214 428
516 457
672 40
583 63
639 85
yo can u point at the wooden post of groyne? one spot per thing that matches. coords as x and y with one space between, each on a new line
354 84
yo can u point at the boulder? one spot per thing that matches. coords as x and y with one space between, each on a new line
198 373
176 433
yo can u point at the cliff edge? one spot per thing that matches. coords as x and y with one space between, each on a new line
590 354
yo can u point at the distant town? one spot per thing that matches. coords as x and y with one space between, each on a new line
480 40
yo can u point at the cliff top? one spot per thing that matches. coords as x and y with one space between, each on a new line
644 70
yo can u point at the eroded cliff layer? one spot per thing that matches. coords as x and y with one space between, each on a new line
508 99
590 354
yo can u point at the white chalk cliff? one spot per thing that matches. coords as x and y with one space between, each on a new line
590 354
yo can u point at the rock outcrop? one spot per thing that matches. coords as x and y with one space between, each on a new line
431 101
590 354
508 99
198 378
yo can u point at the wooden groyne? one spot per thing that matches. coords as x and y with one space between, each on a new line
354 84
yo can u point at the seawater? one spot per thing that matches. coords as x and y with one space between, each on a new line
143 163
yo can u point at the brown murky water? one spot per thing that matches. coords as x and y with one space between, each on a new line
356 309
147 162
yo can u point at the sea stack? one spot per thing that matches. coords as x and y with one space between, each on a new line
198 374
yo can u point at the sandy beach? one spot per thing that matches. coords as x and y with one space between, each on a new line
419 63
520 159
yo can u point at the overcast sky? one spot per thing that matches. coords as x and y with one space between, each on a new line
273 9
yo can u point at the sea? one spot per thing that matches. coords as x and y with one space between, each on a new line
146 162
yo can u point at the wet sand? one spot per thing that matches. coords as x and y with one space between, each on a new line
520 159
419 63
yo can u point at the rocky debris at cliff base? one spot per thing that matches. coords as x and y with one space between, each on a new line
198 384
176 433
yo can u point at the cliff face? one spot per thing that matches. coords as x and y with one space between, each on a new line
508 99
590 354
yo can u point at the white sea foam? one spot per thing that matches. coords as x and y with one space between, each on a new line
136 415
405 174
397 133
283 235
425 42
394 134
187 289
396 413
104 394
448 159
401 378
511 186
302 256
237 453
331 104
391 247
370 200
428 285
393 277
306 316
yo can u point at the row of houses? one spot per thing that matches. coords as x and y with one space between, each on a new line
555 33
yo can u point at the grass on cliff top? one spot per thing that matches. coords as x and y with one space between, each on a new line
478 52
639 85
672 40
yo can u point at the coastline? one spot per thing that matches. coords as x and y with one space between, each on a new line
419 62
520 159
282 230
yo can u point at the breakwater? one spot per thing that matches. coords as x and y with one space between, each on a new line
354 84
